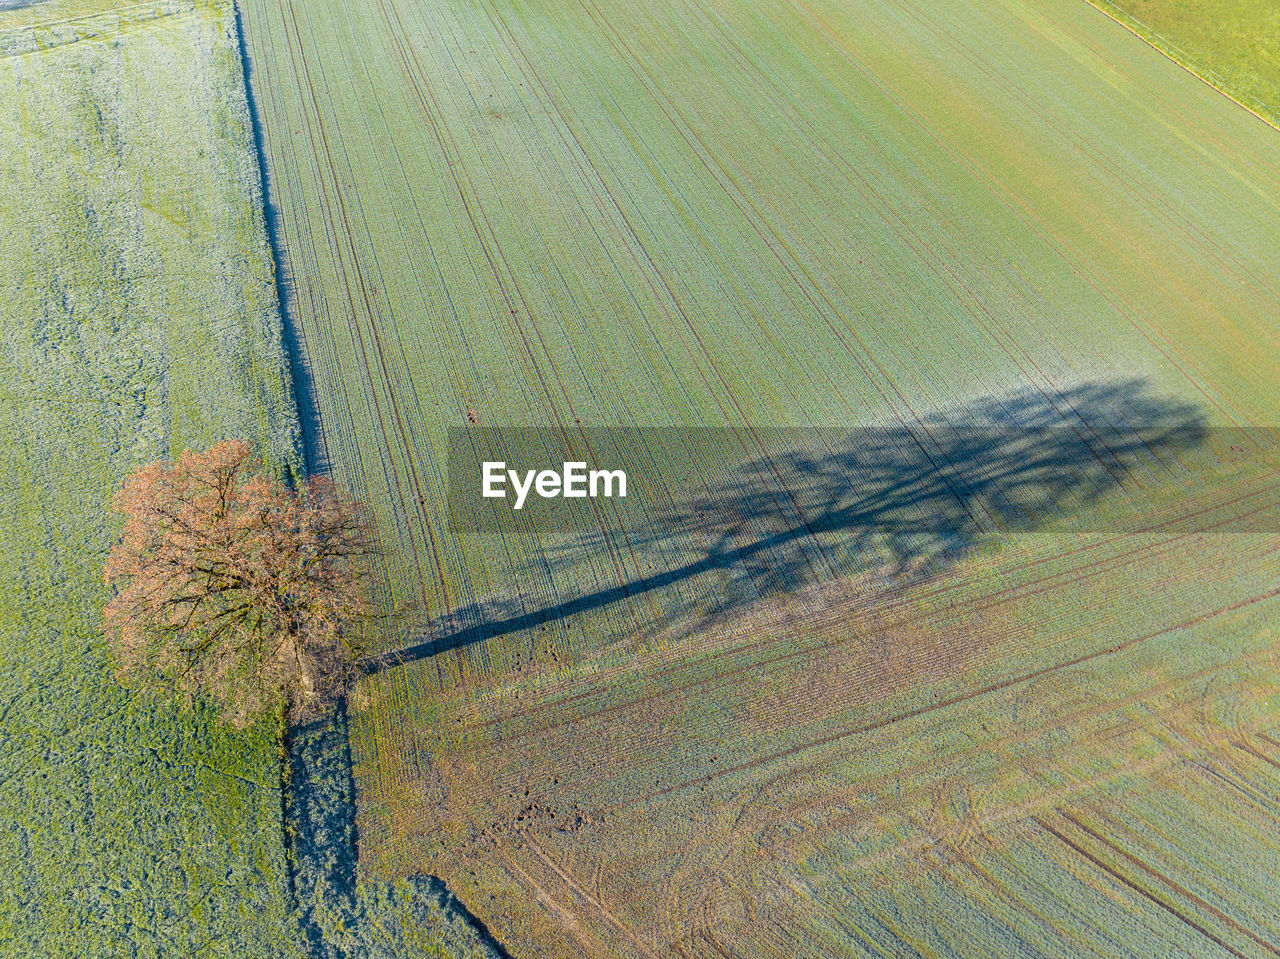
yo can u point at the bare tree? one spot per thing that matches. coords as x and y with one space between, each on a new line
234 587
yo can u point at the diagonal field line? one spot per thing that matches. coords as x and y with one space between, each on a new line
955 700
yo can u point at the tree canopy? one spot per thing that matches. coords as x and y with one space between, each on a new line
233 587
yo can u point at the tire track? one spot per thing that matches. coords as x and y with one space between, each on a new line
1136 318
986 602
373 358
905 715
1174 887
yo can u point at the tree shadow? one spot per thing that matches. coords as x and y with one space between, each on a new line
902 503
314 451
320 816
339 916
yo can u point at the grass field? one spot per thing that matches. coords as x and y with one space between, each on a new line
778 214
139 317
1233 44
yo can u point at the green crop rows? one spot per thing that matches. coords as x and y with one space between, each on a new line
796 212
723 732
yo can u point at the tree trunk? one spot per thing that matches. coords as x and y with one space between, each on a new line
307 678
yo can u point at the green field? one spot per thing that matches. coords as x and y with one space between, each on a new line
1233 44
797 213
139 317
1012 691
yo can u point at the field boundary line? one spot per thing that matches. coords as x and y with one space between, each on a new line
1176 54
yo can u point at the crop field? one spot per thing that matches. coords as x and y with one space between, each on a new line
1233 44
139 316
730 733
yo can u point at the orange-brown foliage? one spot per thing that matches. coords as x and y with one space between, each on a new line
233 587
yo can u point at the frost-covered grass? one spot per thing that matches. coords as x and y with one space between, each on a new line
139 317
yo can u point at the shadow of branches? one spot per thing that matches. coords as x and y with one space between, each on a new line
807 505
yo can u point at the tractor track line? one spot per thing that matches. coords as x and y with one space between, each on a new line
953 701
988 601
